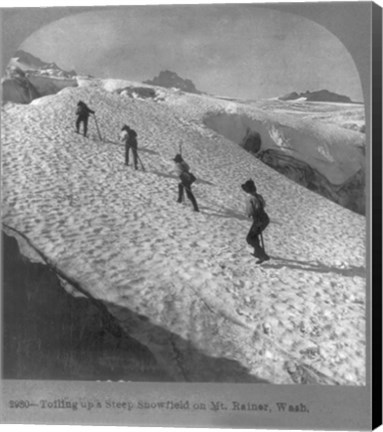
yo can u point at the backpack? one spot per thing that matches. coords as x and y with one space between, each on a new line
260 217
187 178
81 110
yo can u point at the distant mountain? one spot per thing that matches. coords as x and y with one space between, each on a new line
28 78
172 80
27 59
31 64
317 96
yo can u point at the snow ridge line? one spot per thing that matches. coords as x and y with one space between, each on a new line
109 321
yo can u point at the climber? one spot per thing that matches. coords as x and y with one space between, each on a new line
129 137
187 178
82 113
255 208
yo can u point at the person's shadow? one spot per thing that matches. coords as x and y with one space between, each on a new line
140 149
175 176
314 267
224 213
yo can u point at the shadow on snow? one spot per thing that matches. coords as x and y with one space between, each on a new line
315 267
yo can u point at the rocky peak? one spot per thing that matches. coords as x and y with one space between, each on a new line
170 79
319 96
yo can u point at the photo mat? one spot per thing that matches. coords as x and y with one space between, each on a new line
219 399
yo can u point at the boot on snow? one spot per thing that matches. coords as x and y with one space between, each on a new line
263 259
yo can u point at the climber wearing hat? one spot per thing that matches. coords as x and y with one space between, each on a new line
82 112
129 137
255 208
187 178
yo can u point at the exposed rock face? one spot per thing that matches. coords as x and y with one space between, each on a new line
172 80
351 194
318 96
51 334
17 88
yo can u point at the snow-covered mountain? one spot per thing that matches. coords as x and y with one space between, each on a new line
25 72
28 62
184 284
170 79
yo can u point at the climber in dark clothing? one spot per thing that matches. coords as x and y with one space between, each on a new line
82 113
187 178
129 137
255 209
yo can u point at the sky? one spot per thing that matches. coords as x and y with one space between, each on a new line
244 51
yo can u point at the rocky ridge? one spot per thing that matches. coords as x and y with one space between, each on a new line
170 79
317 96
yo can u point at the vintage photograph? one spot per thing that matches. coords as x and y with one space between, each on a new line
185 204
184 199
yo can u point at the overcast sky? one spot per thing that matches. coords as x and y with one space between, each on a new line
241 51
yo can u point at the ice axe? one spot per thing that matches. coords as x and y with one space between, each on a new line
98 129
139 160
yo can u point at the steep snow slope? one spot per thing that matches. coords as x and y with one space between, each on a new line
183 283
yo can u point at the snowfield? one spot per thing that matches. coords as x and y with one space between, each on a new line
183 283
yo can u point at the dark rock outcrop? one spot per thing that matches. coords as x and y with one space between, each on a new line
51 334
252 141
289 96
170 79
350 195
17 88
317 96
